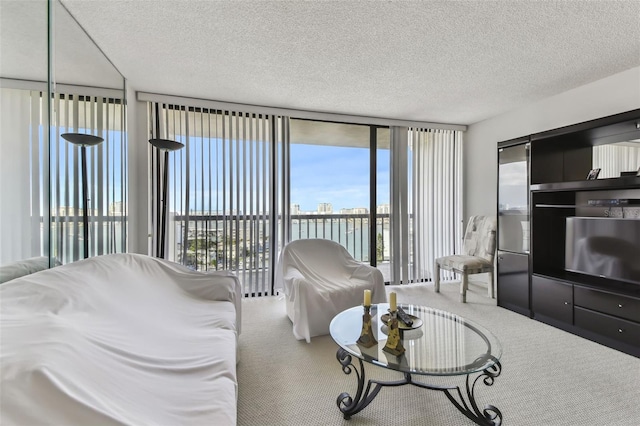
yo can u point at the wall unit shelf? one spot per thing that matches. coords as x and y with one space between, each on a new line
557 281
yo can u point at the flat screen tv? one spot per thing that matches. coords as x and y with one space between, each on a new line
604 247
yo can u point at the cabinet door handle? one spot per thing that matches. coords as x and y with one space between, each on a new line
566 303
619 305
620 330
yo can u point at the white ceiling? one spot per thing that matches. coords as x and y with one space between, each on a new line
438 61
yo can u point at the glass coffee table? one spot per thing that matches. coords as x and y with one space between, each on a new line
439 343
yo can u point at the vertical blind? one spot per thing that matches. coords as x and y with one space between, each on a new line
23 175
41 208
616 158
225 202
229 197
426 201
436 198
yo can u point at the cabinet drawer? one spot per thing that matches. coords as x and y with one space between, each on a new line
609 303
615 328
552 298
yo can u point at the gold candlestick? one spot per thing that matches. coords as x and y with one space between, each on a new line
366 335
394 343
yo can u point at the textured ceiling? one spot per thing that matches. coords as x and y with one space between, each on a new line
23 47
450 62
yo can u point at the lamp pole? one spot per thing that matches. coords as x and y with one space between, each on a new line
164 145
84 140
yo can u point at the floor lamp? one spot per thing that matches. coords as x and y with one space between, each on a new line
165 145
84 140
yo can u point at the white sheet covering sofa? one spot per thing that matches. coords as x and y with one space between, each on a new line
119 339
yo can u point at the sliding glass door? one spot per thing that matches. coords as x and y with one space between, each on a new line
339 186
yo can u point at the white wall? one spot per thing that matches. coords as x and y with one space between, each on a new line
612 95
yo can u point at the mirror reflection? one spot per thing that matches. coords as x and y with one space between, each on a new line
72 87
88 183
23 122
617 159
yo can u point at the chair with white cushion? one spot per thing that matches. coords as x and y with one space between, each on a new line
320 279
478 250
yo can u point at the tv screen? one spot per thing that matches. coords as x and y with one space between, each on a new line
604 247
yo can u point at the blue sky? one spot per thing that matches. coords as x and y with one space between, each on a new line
336 175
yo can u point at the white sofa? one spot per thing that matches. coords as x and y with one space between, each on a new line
19 268
119 339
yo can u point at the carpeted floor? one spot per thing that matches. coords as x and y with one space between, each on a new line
549 377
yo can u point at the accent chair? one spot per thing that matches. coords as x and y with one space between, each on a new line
478 251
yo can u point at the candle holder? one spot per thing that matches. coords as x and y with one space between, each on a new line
366 335
394 342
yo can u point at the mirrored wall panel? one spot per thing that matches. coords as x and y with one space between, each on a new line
54 80
24 202
88 145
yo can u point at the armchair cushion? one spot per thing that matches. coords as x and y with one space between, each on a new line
464 263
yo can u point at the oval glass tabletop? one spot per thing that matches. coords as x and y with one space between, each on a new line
445 344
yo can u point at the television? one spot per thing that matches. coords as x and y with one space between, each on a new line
604 247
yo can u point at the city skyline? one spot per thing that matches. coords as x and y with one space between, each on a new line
336 174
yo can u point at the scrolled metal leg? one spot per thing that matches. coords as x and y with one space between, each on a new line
489 415
465 402
346 403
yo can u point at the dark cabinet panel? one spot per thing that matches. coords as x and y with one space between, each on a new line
608 303
513 282
615 328
538 274
552 299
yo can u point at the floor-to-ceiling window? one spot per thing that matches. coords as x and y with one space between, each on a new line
339 187
225 194
247 183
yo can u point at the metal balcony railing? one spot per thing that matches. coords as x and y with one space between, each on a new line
241 243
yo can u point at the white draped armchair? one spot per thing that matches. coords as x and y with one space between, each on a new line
320 279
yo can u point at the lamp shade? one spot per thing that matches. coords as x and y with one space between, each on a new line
82 139
167 144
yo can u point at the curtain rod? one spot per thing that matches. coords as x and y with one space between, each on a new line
293 113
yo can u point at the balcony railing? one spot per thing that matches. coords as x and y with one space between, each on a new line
242 243
107 234
239 243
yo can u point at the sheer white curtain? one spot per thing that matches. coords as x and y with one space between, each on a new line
23 167
616 158
426 200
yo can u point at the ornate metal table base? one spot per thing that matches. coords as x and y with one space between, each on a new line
464 402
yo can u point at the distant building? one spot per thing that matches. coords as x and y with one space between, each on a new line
356 210
326 208
295 209
71 211
383 209
116 208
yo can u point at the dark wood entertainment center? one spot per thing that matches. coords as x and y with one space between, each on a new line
531 275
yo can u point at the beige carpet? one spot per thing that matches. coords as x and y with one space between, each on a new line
549 377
